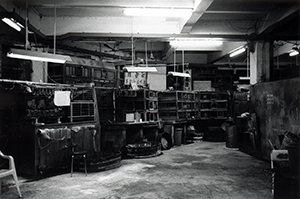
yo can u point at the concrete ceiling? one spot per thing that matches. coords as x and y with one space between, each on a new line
103 27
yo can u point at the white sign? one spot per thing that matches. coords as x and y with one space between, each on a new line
139 78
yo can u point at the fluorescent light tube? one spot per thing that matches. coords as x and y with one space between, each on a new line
195 43
139 69
20 25
237 52
158 12
177 74
244 78
38 56
12 23
293 53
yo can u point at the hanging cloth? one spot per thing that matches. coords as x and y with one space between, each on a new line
62 98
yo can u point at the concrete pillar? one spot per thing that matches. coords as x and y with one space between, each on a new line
260 64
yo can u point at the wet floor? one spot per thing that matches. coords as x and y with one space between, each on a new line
194 171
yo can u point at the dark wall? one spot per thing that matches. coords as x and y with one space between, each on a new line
277 108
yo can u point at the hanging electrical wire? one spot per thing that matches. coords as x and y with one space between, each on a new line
54 31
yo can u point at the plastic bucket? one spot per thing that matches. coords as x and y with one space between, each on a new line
178 136
232 139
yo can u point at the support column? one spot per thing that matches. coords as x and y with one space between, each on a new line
260 64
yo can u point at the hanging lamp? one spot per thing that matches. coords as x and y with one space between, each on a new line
35 55
175 73
133 68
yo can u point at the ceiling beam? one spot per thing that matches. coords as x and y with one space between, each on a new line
284 48
273 20
227 47
114 3
152 37
199 11
232 12
108 25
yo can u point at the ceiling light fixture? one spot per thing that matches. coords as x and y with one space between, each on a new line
13 23
194 43
293 53
244 78
178 74
237 52
197 44
158 12
139 69
37 56
196 39
133 68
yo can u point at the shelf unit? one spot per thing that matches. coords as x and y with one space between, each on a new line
178 105
142 102
39 106
101 76
106 105
221 77
213 105
39 131
82 107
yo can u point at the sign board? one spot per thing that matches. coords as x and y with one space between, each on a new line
138 78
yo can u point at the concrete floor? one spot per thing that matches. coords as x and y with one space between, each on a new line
201 170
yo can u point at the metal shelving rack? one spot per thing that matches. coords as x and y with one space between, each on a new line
178 105
144 102
83 105
213 105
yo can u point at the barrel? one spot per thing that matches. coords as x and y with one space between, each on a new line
294 157
232 138
178 136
